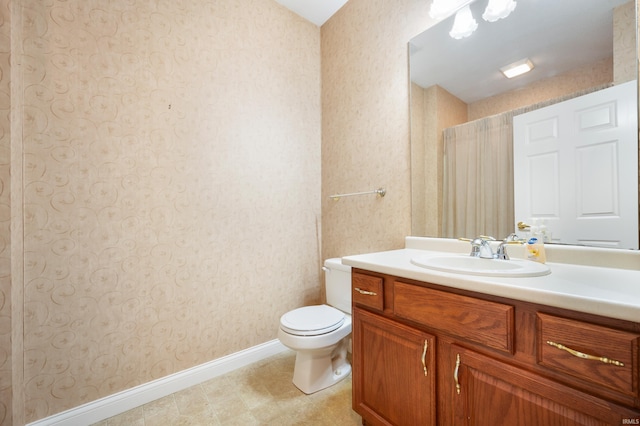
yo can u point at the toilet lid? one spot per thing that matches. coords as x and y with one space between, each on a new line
312 320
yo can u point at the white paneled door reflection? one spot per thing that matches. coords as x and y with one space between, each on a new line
579 162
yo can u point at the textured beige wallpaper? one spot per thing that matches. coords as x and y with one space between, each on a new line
624 43
432 110
420 120
171 188
5 217
365 124
451 111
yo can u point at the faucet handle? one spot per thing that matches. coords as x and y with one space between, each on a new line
509 240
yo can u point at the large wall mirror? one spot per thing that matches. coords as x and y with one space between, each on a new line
577 48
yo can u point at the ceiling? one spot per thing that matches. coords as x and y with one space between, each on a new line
316 11
556 35
551 46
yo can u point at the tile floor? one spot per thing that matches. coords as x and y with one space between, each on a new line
258 394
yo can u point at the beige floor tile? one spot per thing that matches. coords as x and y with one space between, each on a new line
128 418
165 407
230 408
192 401
207 420
259 394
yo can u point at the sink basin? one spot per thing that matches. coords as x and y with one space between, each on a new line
465 264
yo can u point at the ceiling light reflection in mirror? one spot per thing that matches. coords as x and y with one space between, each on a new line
555 37
517 68
464 23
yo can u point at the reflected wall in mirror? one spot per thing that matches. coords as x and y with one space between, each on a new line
576 47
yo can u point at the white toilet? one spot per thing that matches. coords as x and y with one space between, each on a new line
320 333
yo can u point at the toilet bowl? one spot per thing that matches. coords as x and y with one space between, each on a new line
320 334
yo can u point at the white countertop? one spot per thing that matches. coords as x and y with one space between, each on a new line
611 289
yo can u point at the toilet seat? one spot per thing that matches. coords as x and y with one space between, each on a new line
312 320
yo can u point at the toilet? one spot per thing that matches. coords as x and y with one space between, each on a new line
320 334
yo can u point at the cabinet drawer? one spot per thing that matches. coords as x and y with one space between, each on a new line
367 290
598 354
481 321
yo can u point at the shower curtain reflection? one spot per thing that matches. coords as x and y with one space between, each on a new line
478 178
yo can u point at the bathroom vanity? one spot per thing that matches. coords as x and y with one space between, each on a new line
433 347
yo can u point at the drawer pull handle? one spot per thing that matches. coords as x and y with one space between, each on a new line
455 373
585 356
365 292
424 356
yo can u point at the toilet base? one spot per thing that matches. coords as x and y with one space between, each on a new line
320 368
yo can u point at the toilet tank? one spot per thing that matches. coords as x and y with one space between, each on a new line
337 282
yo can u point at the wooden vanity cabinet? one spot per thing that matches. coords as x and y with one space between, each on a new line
427 354
393 374
489 393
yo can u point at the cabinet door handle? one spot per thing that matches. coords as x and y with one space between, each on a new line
585 356
365 292
424 356
455 373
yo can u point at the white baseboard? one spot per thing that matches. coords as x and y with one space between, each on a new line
120 402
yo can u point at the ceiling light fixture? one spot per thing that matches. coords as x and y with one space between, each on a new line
498 9
464 24
517 68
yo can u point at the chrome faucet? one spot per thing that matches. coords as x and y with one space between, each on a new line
481 248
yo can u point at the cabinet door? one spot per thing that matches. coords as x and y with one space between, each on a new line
393 372
487 392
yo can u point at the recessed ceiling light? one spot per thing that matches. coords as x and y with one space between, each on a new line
517 68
